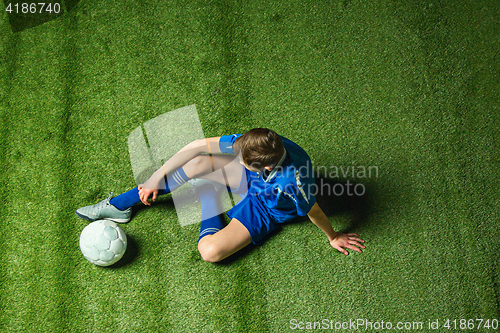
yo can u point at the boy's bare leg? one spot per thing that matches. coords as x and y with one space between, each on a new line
203 166
225 242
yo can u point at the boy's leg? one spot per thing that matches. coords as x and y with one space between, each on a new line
130 198
211 211
212 223
118 209
217 242
225 242
201 166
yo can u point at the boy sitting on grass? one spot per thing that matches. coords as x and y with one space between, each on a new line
273 175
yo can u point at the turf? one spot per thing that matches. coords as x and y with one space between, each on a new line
409 87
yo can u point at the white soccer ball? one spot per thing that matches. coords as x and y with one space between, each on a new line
103 242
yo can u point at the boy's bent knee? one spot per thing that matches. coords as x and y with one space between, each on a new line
198 165
209 251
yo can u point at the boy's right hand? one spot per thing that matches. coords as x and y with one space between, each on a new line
344 241
145 193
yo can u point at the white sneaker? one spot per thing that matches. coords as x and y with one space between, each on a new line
104 211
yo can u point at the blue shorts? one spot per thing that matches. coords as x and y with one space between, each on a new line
251 213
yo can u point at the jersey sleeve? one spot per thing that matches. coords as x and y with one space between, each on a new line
226 143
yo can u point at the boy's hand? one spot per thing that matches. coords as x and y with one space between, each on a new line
145 193
343 241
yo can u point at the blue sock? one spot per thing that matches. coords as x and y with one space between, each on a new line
211 218
130 198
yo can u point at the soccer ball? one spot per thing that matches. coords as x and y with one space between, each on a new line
103 242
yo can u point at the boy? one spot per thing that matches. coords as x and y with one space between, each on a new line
273 175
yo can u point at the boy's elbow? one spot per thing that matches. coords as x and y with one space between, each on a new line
314 210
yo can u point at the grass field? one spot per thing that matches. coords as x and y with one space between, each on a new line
410 87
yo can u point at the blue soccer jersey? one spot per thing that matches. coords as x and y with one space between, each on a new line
285 192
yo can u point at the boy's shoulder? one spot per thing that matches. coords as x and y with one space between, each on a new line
226 143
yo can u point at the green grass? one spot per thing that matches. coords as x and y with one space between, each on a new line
408 86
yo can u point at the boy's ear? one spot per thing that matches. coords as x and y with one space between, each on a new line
268 168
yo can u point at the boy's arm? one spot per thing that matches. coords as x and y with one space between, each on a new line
339 241
188 152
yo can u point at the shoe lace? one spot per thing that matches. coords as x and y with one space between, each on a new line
104 203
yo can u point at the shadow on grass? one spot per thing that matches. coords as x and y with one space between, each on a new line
130 254
344 197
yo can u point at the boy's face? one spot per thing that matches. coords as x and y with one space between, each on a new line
249 167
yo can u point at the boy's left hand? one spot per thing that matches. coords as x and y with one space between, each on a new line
145 193
343 241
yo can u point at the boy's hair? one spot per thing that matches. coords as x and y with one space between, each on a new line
259 147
